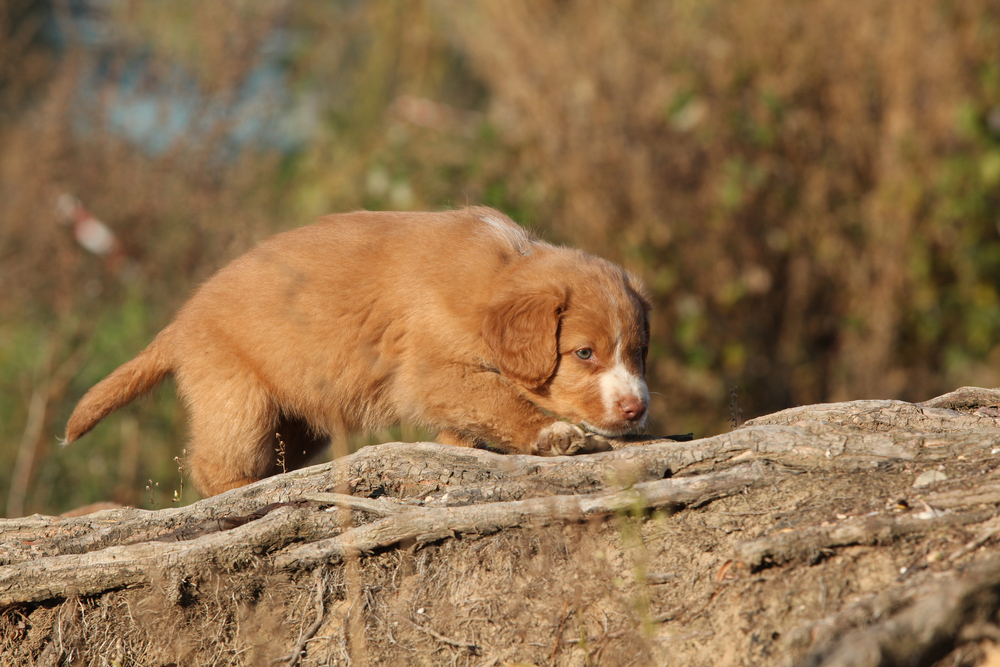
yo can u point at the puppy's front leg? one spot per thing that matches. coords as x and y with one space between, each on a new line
564 439
557 439
492 411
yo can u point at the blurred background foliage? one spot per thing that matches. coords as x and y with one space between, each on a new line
810 188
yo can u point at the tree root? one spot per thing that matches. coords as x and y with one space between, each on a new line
275 533
811 543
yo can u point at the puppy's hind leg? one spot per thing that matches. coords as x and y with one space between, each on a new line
233 422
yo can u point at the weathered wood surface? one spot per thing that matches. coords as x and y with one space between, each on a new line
393 495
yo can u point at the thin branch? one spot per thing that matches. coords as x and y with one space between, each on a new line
559 630
474 649
293 658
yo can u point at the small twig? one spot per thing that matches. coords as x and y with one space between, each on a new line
293 658
555 644
280 449
654 578
151 487
179 460
471 648
734 408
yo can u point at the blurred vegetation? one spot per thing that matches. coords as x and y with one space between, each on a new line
809 188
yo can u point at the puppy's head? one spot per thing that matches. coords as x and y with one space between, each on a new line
573 332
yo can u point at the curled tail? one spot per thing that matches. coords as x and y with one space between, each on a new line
127 383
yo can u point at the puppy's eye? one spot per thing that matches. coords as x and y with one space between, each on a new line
585 353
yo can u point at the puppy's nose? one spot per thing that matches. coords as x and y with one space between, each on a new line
632 408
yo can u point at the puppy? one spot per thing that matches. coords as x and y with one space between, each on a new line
461 321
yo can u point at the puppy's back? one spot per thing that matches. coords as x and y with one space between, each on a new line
350 306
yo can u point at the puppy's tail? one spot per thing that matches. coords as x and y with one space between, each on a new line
127 383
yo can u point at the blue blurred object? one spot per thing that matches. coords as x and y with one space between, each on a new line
157 105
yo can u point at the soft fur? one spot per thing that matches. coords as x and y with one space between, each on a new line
458 321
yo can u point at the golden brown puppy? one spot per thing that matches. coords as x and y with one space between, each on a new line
458 321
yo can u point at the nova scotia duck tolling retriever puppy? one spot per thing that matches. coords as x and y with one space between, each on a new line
461 322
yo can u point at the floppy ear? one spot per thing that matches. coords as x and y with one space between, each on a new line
522 332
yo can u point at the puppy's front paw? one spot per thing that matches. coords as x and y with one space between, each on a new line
565 439
594 443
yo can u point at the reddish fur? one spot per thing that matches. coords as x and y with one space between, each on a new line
521 331
458 321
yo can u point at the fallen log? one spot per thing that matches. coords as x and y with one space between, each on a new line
885 514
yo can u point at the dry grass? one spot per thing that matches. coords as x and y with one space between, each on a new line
791 178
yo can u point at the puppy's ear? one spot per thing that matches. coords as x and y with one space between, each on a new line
522 332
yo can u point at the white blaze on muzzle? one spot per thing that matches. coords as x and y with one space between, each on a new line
619 384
